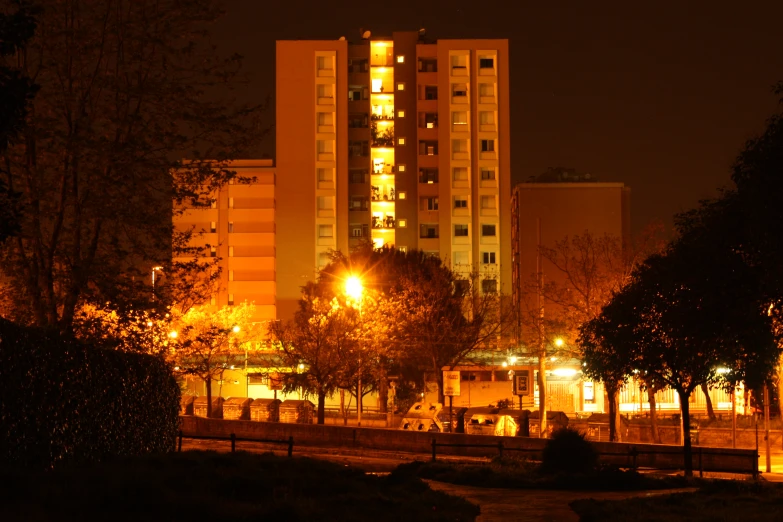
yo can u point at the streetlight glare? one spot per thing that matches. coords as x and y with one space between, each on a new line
353 287
558 342
235 329
173 335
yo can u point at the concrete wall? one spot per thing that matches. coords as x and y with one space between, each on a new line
648 455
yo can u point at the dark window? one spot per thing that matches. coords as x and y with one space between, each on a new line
488 258
358 92
486 63
487 145
460 203
428 120
358 203
460 231
428 176
428 148
357 65
357 175
428 65
358 121
358 149
362 230
430 92
459 89
429 204
461 287
487 174
429 231
488 230
489 286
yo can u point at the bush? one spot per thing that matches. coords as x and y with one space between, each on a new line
567 451
64 402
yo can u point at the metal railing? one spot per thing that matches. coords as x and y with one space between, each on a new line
631 454
233 438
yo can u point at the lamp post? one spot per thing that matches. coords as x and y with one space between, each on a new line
154 269
355 290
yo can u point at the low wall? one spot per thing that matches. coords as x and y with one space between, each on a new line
621 454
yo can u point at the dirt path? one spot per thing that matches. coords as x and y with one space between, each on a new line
533 505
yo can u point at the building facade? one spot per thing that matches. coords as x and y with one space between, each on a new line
240 230
396 140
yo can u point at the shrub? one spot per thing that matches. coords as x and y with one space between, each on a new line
63 401
567 451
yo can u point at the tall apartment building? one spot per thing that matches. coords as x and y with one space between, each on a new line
240 229
398 140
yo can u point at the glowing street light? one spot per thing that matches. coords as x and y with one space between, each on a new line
559 342
354 290
236 329
154 269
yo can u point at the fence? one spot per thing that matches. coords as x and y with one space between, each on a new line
631 455
233 438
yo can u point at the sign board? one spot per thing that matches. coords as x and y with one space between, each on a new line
275 381
522 382
451 381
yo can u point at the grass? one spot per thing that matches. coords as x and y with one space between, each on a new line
718 501
194 486
522 474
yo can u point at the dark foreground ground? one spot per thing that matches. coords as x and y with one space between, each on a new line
196 486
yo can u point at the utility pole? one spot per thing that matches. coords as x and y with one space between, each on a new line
541 343
766 428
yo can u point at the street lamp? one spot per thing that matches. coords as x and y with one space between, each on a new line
355 290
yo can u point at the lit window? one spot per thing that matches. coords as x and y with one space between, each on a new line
325 231
402 249
212 252
400 168
230 299
400 114
400 141
400 86
402 195
400 58
402 223
213 227
230 251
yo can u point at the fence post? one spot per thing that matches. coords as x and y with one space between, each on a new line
755 466
290 446
433 449
179 444
233 443
634 453
701 466
500 448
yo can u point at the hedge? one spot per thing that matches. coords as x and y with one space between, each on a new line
65 402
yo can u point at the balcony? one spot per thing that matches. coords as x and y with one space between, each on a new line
459 70
325 100
456 155
383 222
325 73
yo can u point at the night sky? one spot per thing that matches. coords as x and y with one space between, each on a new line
659 96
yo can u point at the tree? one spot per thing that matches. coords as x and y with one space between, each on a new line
124 88
432 317
586 270
207 341
322 338
16 92
685 314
